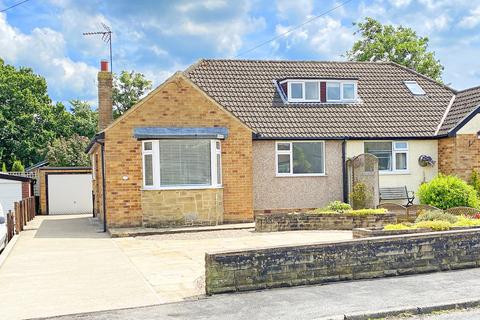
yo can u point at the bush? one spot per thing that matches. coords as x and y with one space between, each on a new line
466 222
475 181
17 166
447 192
436 225
436 215
398 226
338 206
365 212
360 195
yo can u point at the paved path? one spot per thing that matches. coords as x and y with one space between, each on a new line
62 265
331 301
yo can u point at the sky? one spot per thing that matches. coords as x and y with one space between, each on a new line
158 38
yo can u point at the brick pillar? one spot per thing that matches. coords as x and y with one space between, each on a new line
105 104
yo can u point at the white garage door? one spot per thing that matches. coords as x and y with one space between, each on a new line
10 192
69 193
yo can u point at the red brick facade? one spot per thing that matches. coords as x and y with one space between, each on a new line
459 155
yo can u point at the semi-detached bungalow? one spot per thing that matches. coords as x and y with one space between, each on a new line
226 139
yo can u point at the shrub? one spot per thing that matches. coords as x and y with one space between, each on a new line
338 206
17 166
436 215
437 225
360 195
362 212
447 192
466 222
398 226
475 181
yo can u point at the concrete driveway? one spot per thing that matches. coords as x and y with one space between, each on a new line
62 265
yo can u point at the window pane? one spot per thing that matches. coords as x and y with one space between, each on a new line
308 157
401 146
333 91
312 91
401 161
148 167
147 146
283 146
348 91
185 162
296 91
383 151
283 163
219 169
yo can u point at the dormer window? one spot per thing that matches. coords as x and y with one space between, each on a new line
324 91
304 91
415 88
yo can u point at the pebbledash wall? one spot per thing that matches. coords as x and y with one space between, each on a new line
283 194
176 103
348 260
416 174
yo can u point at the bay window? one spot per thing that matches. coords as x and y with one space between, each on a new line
302 158
392 155
181 163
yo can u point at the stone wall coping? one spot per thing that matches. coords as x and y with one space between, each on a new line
293 214
345 242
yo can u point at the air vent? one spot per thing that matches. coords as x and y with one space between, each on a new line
415 88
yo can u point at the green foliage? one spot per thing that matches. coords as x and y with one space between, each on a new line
17 166
366 212
398 226
68 152
475 181
84 119
4 167
436 215
127 90
447 192
360 195
466 222
338 206
436 225
397 44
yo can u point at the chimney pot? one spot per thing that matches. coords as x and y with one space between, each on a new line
104 65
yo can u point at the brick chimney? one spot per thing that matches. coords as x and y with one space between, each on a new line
105 104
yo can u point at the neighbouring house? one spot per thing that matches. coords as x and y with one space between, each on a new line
14 188
226 139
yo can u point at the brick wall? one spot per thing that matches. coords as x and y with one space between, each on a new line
459 155
305 221
349 260
26 189
177 103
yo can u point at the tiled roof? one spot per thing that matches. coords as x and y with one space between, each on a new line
386 108
465 102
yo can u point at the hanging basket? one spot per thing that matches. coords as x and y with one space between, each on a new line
426 161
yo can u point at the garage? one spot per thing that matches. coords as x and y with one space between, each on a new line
13 189
66 190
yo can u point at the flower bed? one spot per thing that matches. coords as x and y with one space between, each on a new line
324 220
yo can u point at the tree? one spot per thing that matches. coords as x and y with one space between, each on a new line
29 120
397 44
17 166
84 119
68 152
4 167
127 90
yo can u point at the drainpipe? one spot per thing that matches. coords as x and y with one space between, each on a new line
344 171
104 198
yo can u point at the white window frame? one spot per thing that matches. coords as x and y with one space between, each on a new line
155 152
410 83
303 99
290 153
395 150
341 83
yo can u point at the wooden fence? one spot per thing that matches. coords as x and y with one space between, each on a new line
24 211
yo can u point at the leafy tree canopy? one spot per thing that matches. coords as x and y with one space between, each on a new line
84 119
17 166
397 44
68 152
128 88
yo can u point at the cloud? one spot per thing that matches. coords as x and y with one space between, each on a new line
400 3
472 20
294 11
44 50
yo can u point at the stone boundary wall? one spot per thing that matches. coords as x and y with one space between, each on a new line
347 260
379 232
319 221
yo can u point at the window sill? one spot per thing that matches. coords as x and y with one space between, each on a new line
181 188
393 173
299 175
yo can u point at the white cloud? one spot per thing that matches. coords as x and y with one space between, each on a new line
44 50
472 20
439 23
400 3
294 11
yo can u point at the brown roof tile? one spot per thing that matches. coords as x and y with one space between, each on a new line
465 102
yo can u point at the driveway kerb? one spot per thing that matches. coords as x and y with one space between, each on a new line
6 251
